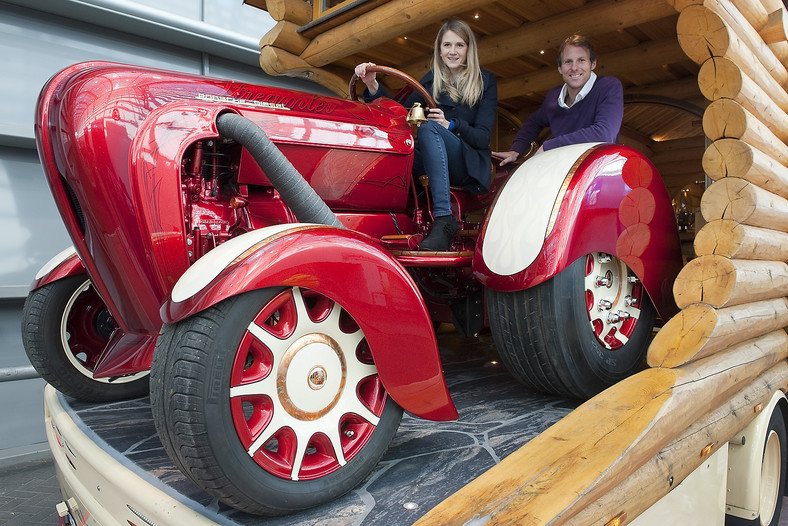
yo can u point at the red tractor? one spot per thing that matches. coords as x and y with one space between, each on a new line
248 255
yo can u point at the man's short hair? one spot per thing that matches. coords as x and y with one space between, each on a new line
580 41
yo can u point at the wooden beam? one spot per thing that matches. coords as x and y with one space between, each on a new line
700 330
736 158
719 77
688 149
284 35
733 240
721 282
684 89
775 28
741 201
298 12
775 33
644 56
683 455
275 61
390 20
595 447
726 118
753 11
681 5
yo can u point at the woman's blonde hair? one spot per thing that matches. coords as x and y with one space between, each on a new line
469 84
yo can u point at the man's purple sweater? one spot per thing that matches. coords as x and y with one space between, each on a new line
596 118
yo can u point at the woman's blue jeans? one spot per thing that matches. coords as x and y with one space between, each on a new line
439 155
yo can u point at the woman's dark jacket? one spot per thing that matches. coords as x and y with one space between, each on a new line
472 124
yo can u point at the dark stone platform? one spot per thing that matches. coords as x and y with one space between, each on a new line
426 462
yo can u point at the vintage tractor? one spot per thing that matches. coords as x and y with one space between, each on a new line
256 250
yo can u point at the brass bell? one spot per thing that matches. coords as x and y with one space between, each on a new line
416 115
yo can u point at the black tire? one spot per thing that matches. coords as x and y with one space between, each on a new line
207 424
65 327
547 337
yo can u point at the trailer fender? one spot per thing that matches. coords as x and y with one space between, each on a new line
568 202
63 265
343 265
745 461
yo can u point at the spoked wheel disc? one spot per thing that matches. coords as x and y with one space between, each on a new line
304 393
613 299
275 391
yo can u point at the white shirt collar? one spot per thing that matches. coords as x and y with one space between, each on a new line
580 96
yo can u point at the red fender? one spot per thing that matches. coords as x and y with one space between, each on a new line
63 265
613 200
347 267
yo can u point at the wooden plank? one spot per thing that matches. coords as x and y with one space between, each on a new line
734 240
700 330
743 202
682 456
721 282
594 448
726 118
736 158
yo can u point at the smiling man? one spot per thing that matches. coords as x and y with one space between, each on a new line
586 108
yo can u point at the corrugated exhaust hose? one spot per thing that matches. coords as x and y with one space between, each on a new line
307 206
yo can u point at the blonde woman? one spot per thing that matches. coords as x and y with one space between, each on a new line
453 146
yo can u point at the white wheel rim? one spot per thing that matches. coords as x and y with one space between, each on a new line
313 384
612 302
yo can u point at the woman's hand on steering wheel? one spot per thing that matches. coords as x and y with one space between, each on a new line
368 77
367 70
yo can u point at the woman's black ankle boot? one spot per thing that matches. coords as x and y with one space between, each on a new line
442 234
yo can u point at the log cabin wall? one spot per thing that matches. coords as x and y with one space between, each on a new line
707 101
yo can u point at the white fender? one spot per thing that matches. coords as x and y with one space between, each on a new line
518 223
211 264
55 261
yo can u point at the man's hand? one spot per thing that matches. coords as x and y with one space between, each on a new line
506 157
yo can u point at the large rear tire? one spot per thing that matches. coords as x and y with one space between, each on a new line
270 401
65 328
575 334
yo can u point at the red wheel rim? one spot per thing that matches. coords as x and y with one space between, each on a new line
85 328
305 396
